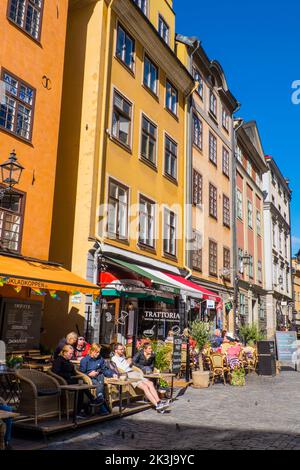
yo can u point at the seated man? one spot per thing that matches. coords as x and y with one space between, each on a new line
144 384
70 339
217 339
95 367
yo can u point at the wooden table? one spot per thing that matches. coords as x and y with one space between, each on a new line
8 414
120 384
39 357
162 375
76 388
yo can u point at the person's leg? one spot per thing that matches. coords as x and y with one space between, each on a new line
153 390
8 423
99 382
143 386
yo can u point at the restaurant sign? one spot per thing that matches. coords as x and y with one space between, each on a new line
167 315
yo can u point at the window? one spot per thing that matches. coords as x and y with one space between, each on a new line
261 310
258 222
213 104
117 211
259 271
274 233
242 305
240 260
147 222
197 188
213 201
225 162
199 79
226 258
239 155
225 119
16 110
249 168
280 239
285 246
250 214
287 280
170 157
163 29
275 273
226 211
121 126
150 75
212 148
239 202
258 179
197 251
27 15
251 266
213 258
143 5
125 47
170 233
171 98
149 136
197 131
11 221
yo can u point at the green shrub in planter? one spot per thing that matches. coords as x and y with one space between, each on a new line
238 377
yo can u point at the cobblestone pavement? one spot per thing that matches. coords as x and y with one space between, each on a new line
262 415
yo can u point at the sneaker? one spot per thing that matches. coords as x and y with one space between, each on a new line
161 406
81 415
167 402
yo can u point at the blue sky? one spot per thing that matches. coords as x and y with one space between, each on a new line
258 46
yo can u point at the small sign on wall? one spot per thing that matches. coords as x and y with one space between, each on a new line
76 299
211 304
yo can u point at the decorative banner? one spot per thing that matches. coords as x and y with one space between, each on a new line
121 319
54 294
75 292
96 299
18 289
38 291
3 281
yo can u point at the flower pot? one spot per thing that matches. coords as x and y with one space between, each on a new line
200 379
162 393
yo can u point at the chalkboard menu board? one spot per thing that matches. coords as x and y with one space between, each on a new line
286 342
21 324
176 359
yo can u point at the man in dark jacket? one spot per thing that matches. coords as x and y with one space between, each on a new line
95 367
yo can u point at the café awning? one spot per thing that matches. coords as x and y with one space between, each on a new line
22 272
207 294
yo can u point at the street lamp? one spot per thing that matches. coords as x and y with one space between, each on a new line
11 172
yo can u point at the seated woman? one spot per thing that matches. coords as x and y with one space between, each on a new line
63 367
144 359
144 384
95 367
82 348
232 354
70 339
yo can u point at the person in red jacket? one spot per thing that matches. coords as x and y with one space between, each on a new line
82 348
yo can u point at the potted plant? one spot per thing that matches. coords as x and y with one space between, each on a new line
14 361
250 333
238 377
199 331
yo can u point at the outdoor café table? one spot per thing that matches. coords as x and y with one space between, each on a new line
40 358
76 388
8 414
9 387
162 375
120 384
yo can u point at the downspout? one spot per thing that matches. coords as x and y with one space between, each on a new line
234 228
188 168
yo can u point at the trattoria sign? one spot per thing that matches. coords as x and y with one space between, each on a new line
167 315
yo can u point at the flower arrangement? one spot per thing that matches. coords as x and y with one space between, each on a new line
238 377
14 361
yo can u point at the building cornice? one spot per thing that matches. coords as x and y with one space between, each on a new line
269 206
251 150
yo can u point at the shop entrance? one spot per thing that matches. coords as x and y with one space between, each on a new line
108 323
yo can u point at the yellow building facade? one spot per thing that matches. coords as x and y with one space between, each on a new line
120 188
296 289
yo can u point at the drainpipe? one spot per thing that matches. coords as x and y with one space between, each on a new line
234 230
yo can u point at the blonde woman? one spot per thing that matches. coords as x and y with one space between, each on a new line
70 339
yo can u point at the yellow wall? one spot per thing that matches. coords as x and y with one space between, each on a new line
163 8
30 61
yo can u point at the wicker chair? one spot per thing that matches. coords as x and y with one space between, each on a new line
67 397
40 394
251 362
217 366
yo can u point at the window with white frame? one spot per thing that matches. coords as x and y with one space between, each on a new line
163 29
249 167
274 233
250 213
147 222
143 5
170 157
125 47
287 280
239 155
150 75
169 232
226 211
285 245
275 273
251 266
259 271
117 226
240 260
212 148
225 162
197 251
213 104
149 137
198 78
239 203
27 14
11 221
213 258
171 98
242 305
121 122
258 222
225 119
197 131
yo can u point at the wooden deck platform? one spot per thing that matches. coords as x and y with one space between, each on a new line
47 426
